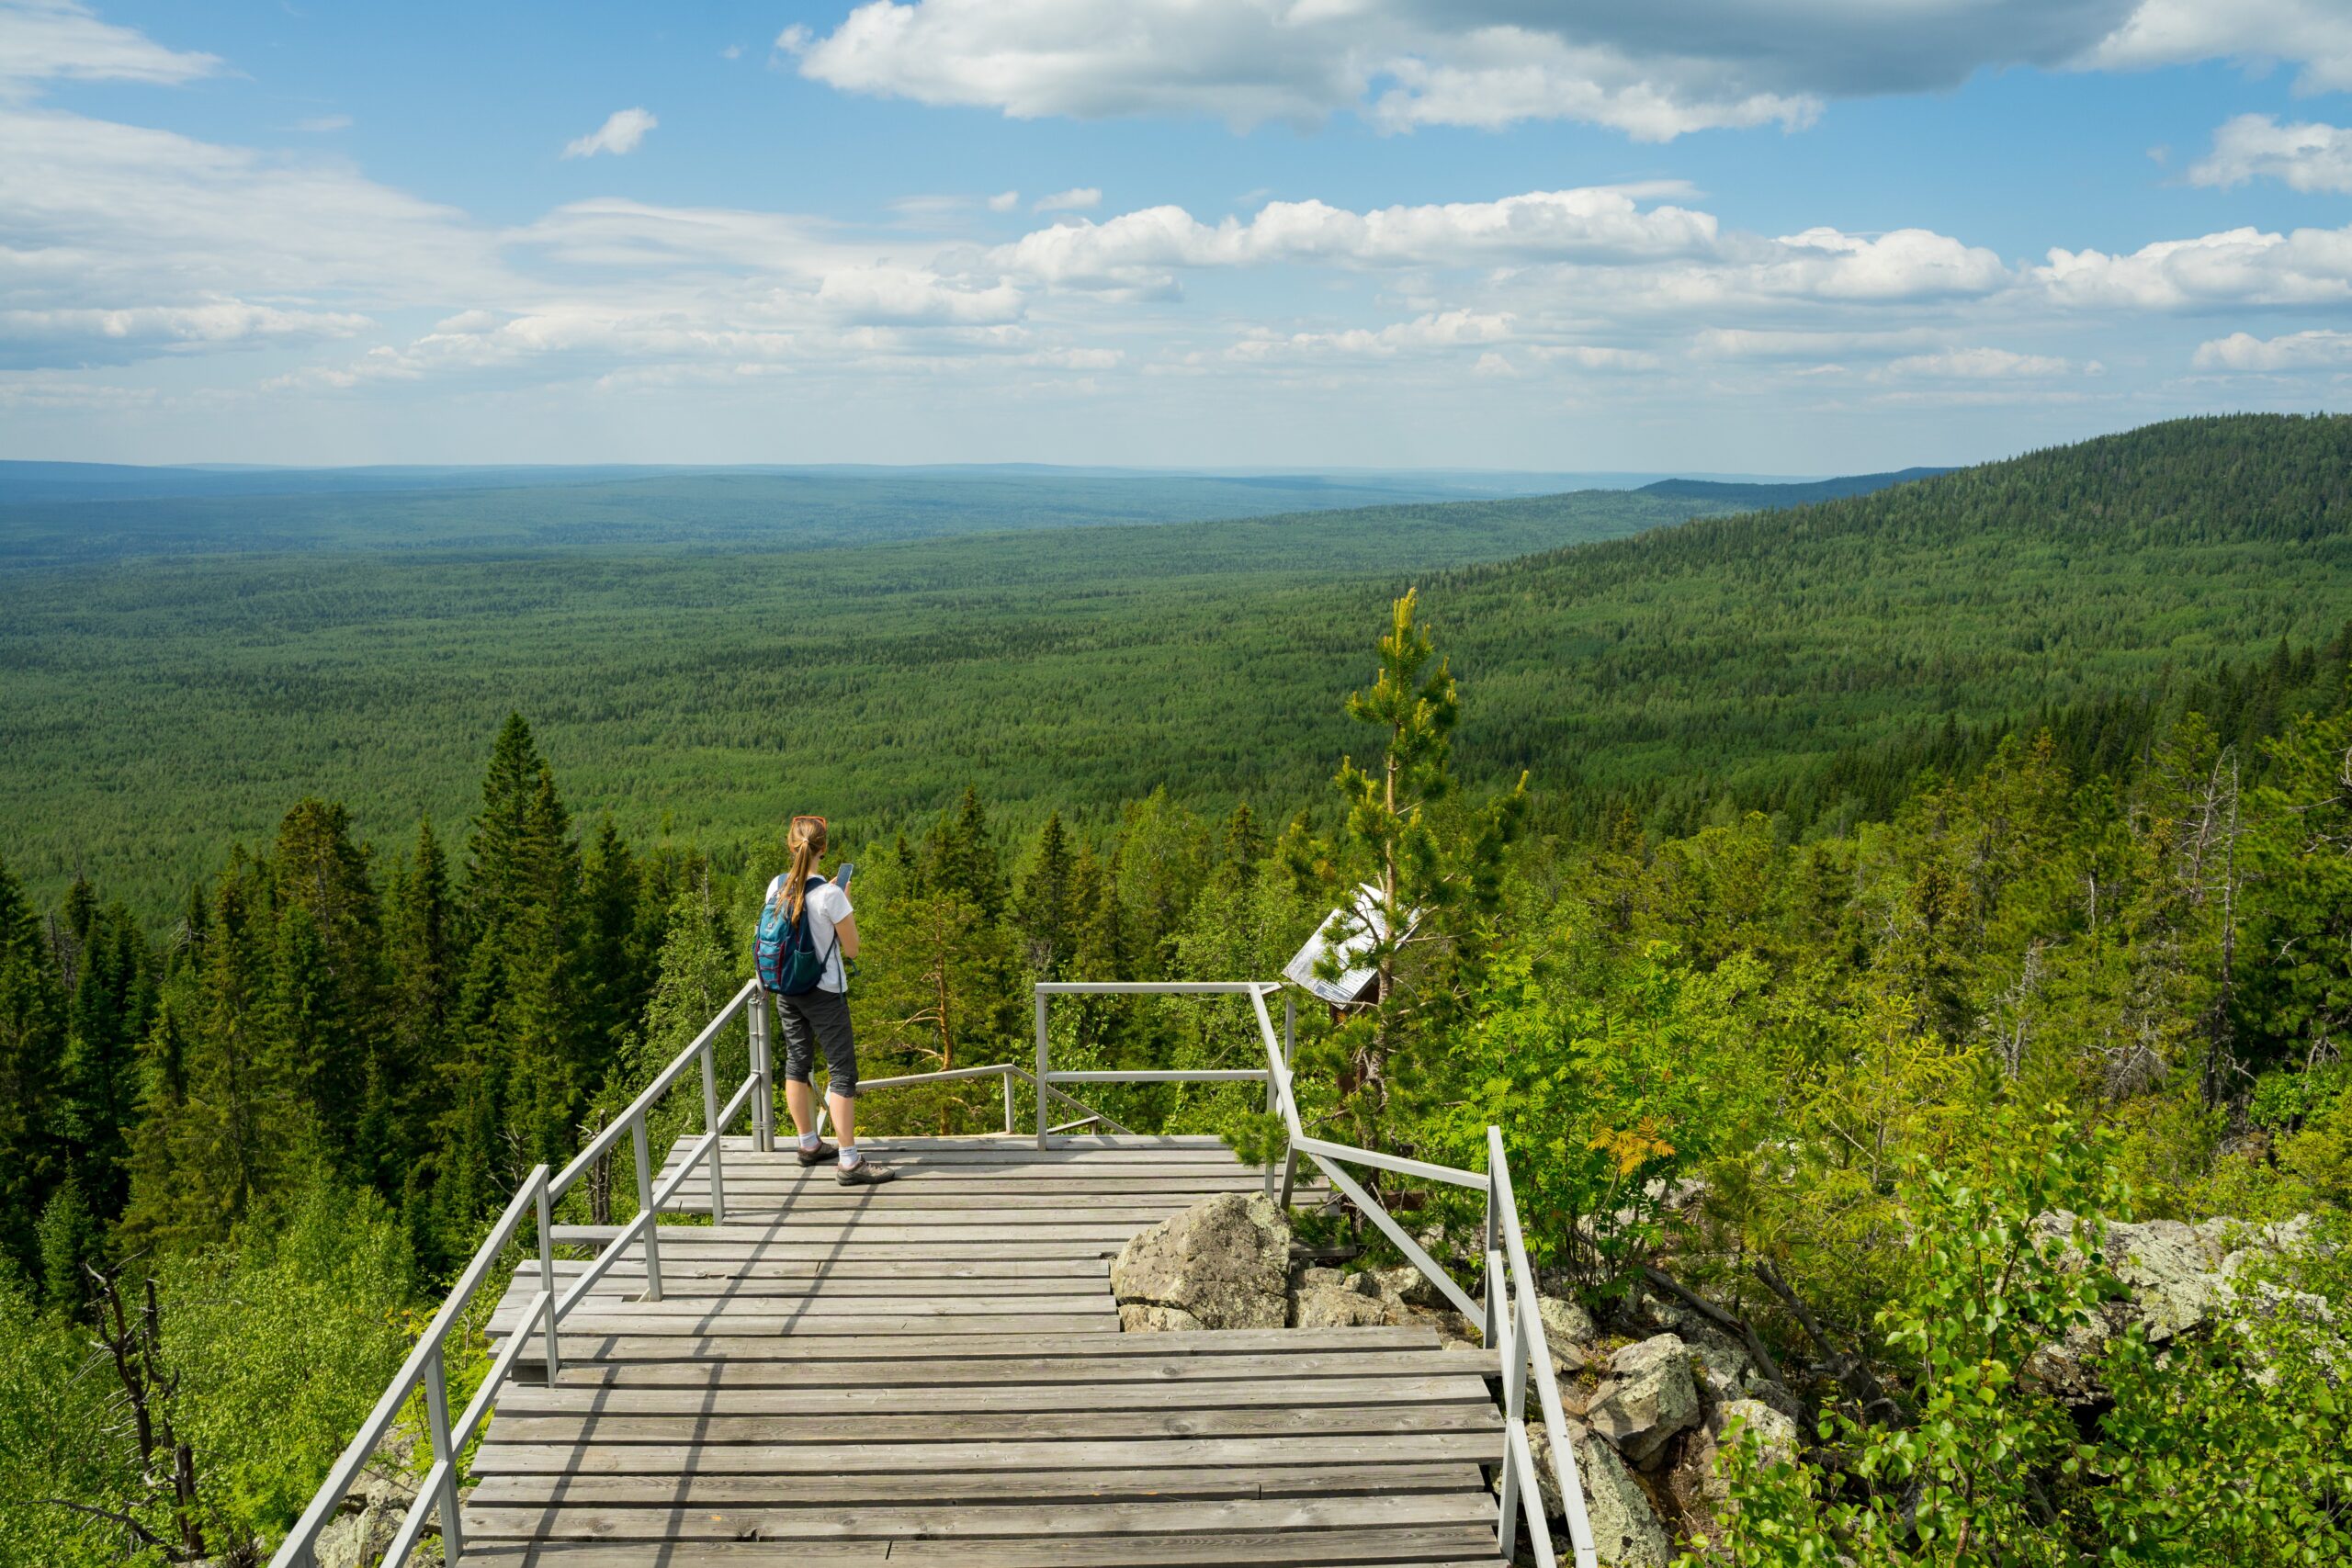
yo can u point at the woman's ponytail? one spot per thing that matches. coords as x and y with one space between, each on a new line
807 843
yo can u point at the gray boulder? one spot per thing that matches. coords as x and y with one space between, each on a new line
1647 1397
1402 1297
1625 1528
1568 1333
373 1511
1328 1298
1223 1263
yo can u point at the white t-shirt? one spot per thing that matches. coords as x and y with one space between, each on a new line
828 907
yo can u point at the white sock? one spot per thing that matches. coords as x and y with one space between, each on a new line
852 1158
809 1142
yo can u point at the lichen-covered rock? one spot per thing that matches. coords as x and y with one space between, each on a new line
1625 1528
1568 1333
1647 1397
2179 1278
1698 1485
1326 1298
1223 1263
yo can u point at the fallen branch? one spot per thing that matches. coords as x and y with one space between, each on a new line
1719 1317
1850 1370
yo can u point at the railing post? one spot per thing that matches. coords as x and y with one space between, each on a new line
762 1097
1494 1259
445 1454
710 1126
645 1207
547 1272
1041 1069
1007 1076
1514 1413
1290 1031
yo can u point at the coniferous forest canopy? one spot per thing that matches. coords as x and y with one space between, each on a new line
1892 872
161 703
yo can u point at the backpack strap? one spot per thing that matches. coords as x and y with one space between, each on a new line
827 962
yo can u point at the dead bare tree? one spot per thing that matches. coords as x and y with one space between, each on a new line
166 1462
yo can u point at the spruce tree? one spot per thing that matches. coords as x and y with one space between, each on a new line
962 856
31 1039
612 964
520 1089
421 937
1048 913
326 991
113 1002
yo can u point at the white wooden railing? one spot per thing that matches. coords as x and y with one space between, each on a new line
427 1369
1508 1314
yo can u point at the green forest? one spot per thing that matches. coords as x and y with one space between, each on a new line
1892 873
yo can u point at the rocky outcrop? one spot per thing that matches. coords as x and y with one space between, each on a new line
1223 1263
2179 1278
1647 1397
1698 1485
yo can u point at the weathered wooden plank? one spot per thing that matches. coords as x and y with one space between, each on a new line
1039 1276
1022 1144
677 1241
916 1399
1453 1546
813 1426
863 1230
969 1485
702 1314
592 1318
862 1297
499 1455
968 1521
996 1343
1111 1373
935 1196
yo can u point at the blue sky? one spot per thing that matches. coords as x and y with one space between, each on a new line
1751 235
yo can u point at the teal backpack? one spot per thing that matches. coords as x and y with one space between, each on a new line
785 950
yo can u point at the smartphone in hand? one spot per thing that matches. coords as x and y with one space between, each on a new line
841 878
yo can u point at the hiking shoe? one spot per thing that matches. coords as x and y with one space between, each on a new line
864 1173
819 1155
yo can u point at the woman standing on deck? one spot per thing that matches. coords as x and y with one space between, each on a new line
821 922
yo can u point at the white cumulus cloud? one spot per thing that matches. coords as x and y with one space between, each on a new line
2308 157
2314 34
50 39
1078 198
1988 365
2319 349
619 135
1653 69
2236 267
1137 249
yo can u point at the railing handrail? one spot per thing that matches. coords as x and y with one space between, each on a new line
426 1367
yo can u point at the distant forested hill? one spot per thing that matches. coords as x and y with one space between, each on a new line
157 706
1763 497
62 513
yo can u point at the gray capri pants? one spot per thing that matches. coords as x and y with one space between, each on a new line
818 1017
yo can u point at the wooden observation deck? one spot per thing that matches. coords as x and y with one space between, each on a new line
933 1371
